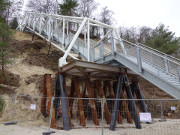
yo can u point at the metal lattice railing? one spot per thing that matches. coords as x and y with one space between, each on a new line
155 58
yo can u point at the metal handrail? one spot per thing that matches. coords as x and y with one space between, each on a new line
154 51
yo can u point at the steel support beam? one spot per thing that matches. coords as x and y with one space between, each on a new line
132 103
62 60
116 104
64 108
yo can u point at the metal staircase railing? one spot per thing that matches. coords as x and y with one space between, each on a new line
161 65
161 61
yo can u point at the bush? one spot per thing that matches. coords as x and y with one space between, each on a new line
2 104
14 23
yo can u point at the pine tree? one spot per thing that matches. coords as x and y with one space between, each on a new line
68 7
163 40
5 34
14 23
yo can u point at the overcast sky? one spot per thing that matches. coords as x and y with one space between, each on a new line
145 13
150 13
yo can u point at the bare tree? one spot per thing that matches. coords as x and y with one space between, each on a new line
134 35
16 8
12 10
87 7
43 6
144 33
106 17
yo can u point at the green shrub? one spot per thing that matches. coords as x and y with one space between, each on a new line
14 23
2 104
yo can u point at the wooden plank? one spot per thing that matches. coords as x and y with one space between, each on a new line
83 71
101 67
101 93
80 102
92 102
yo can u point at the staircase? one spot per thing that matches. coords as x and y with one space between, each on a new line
158 68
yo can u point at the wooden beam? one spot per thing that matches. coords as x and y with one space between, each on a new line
92 102
83 72
69 110
125 107
106 110
49 89
80 102
101 67
90 65
105 88
71 94
44 96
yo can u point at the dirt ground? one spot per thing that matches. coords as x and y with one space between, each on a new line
169 127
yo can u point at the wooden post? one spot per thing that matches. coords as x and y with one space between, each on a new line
33 36
105 88
125 105
43 100
71 94
69 110
106 110
50 94
49 49
119 117
111 92
80 102
92 103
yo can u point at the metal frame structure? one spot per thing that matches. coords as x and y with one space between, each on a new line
48 27
157 67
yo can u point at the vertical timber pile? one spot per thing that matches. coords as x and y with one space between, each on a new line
101 92
48 91
92 102
69 110
71 95
80 102
44 97
125 107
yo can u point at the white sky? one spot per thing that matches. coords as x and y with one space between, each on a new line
145 13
